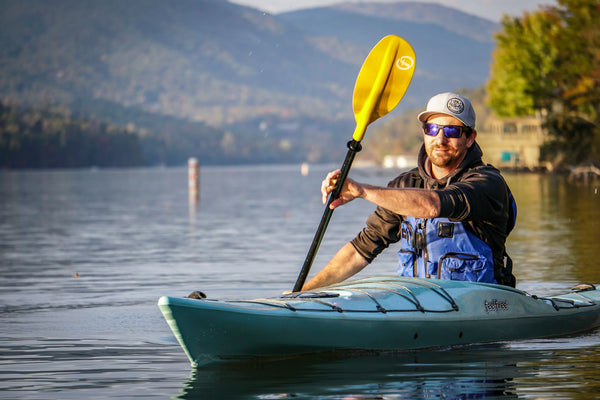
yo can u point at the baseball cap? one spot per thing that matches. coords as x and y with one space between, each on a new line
451 104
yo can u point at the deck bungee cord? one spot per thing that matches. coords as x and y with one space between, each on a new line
367 287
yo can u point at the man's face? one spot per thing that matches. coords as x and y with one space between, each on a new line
445 153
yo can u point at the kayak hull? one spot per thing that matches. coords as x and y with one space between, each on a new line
373 314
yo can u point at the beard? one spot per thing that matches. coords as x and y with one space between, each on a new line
442 156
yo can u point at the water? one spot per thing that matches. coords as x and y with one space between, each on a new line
85 255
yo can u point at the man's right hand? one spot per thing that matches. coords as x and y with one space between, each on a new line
349 192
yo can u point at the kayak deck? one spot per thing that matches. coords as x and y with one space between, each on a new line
375 313
371 295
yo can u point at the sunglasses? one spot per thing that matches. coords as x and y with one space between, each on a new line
450 131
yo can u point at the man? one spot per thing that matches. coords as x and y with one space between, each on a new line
451 214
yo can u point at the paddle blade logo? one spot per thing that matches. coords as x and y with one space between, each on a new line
405 63
382 81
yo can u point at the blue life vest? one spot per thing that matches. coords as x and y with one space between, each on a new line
442 249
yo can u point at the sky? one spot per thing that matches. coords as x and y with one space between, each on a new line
489 9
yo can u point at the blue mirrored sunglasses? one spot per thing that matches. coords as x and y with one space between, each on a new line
450 131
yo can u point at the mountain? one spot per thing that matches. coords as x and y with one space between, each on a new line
429 13
448 58
206 59
276 82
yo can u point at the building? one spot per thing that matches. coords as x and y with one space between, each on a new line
513 142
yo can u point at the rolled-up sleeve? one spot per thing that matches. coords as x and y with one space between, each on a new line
479 197
454 204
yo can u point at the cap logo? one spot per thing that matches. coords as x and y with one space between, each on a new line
455 105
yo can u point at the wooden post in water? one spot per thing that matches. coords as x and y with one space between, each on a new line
193 180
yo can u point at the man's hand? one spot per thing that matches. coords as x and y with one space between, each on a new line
350 191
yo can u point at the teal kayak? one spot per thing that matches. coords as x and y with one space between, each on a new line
382 313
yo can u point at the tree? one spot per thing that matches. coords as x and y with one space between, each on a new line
548 62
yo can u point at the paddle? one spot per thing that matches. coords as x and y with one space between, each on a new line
381 83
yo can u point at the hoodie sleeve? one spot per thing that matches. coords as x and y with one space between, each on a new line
382 229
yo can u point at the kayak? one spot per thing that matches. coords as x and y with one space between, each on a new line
380 313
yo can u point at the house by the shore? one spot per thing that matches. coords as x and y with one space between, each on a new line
513 143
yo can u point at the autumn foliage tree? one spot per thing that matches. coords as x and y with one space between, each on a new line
548 62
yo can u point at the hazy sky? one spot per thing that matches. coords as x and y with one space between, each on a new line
490 9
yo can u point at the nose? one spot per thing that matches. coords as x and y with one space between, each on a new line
440 137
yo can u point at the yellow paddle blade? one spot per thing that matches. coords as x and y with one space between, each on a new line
382 81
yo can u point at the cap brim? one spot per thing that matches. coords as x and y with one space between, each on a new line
424 116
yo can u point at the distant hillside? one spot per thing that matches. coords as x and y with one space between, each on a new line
207 59
446 59
275 87
428 13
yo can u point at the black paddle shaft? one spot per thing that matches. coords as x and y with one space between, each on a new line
353 148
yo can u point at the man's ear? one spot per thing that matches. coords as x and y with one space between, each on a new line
471 138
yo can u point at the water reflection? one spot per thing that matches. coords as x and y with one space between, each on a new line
472 372
557 229
546 368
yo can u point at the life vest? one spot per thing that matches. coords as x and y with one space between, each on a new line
442 249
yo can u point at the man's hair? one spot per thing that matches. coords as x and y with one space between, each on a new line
468 130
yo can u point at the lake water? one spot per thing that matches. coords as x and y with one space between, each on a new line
85 255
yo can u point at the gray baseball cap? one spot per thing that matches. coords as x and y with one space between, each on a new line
451 104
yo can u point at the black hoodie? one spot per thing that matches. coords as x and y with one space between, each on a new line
474 194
